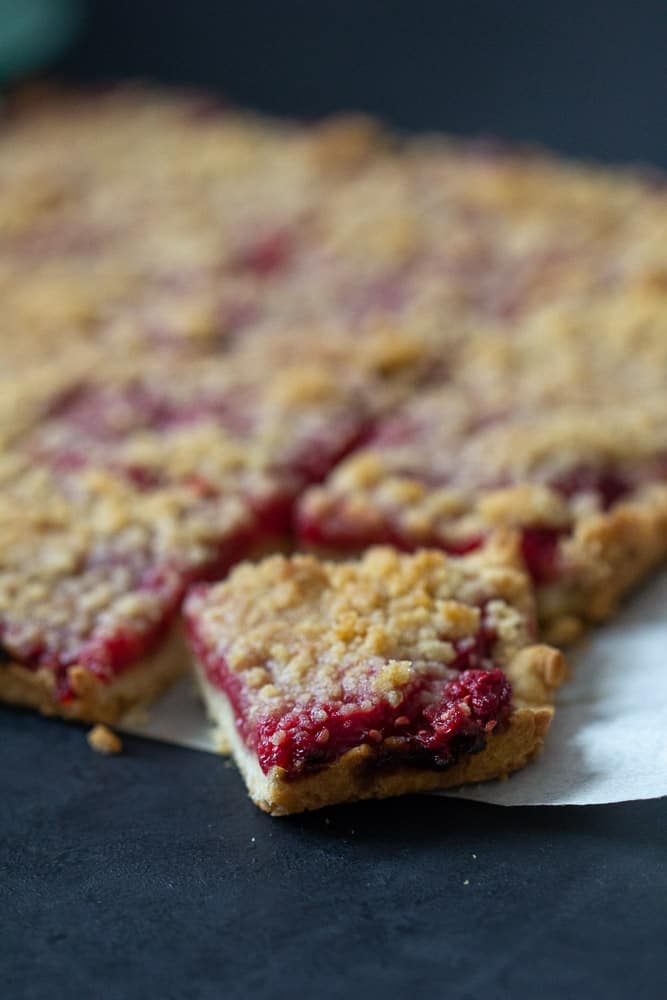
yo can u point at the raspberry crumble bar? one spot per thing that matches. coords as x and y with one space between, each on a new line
392 674
584 487
92 573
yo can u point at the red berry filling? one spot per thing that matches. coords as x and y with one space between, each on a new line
339 531
463 713
539 548
266 255
437 719
608 484
108 415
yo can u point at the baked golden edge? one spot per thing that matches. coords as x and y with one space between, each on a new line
96 700
535 673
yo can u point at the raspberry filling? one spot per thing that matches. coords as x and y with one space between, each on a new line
539 546
106 415
266 255
608 485
338 530
437 719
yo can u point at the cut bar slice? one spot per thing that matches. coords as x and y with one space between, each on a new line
584 486
392 674
92 573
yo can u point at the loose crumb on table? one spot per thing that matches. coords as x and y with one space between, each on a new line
103 740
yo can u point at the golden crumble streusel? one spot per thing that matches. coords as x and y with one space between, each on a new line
315 629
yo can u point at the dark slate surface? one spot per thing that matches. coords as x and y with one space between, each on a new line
588 78
151 875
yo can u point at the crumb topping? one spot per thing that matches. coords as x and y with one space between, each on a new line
442 471
184 230
402 651
300 629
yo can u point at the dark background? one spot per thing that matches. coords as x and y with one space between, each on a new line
585 76
152 875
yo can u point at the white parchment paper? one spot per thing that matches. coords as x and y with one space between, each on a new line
608 742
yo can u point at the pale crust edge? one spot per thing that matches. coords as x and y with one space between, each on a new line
535 673
97 700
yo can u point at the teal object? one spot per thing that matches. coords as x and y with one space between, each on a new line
32 32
